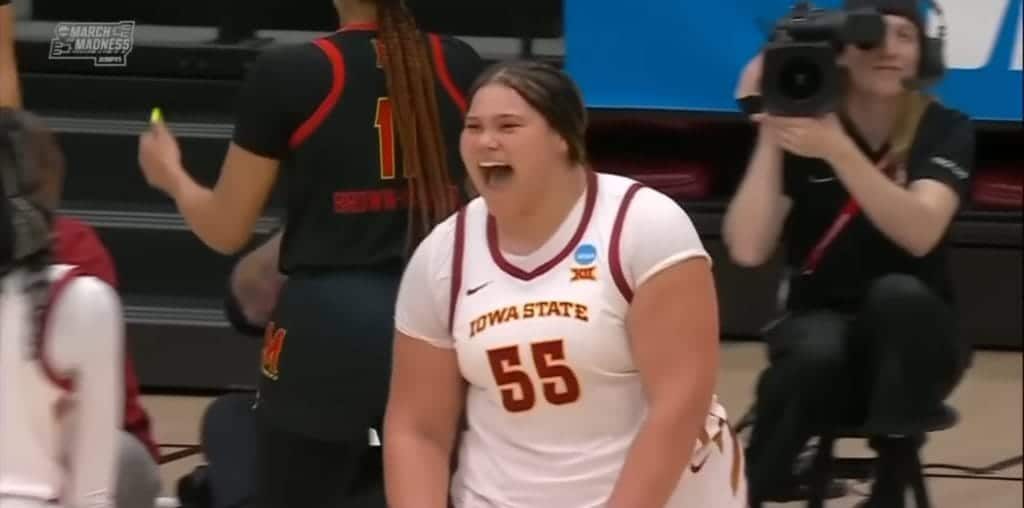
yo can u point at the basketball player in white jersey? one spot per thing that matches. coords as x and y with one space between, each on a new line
60 348
570 317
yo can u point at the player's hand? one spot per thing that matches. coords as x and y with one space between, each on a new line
750 79
257 295
813 137
160 158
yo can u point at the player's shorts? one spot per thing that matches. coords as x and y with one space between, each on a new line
326 360
715 475
714 478
18 502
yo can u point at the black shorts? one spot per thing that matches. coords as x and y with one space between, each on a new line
296 471
326 359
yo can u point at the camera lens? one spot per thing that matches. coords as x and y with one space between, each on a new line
800 78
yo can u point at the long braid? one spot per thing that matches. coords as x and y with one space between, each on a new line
411 86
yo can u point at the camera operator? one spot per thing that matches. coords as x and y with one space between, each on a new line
862 200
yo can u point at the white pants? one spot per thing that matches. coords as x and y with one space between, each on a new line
20 502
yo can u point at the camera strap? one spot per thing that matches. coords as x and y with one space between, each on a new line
906 132
849 211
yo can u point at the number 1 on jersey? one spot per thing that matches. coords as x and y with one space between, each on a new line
383 121
549 359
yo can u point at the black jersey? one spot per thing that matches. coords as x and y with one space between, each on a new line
323 109
943 150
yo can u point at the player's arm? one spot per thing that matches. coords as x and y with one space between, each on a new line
426 401
255 284
427 390
915 217
756 215
223 217
10 93
88 340
673 328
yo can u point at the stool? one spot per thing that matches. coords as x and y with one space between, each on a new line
825 462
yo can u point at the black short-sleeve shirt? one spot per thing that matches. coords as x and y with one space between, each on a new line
324 110
942 150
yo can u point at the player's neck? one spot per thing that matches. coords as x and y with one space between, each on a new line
356 12
528 231
873 116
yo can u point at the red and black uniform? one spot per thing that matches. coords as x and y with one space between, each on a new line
323 109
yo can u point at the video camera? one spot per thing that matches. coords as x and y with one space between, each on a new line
801 77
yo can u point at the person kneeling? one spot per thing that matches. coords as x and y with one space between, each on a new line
863 200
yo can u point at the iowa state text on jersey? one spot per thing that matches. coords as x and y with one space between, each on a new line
528 311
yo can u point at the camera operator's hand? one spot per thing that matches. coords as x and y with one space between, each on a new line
818 138
750 79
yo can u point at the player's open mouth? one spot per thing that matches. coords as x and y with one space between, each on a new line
495 172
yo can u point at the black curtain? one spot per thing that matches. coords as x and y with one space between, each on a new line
509 18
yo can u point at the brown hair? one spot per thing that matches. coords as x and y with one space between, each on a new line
915 103
29 158
410 80
32 160
549 91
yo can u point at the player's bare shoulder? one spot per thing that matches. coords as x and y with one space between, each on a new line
644 202
614 185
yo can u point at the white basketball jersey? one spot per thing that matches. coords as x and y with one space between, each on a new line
554 398
33 400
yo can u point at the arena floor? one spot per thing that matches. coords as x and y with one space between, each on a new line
990 430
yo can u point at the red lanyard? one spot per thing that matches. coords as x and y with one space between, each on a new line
849 211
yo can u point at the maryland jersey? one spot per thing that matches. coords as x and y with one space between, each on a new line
46 445
324 109
554 398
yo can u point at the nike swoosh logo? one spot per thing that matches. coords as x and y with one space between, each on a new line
695 468
471 291
822 180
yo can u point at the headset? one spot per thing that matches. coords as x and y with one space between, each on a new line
933 61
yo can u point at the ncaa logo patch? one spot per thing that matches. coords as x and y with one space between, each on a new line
586 254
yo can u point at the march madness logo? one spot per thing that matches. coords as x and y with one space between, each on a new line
273 343
106 44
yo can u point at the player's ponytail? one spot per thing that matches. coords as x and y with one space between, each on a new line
410 78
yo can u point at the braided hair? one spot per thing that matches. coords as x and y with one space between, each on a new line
410 81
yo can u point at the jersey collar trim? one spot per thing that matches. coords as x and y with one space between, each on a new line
513 270
364 27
